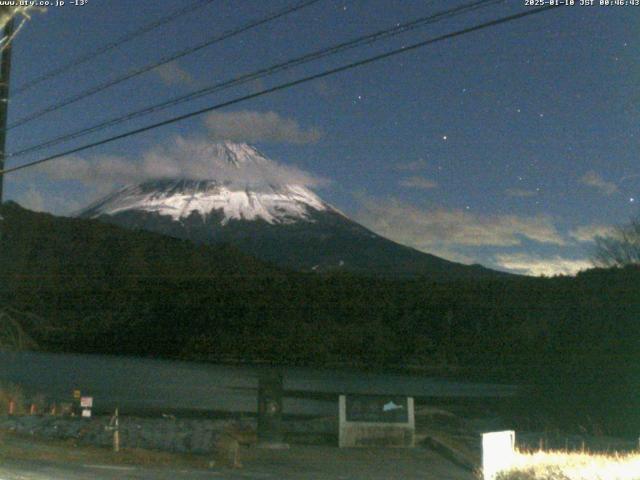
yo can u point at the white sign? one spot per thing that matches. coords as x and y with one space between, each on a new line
498 452
86 402
86 413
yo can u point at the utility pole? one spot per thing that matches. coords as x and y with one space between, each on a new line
5 73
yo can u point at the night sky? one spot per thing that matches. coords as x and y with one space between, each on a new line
511 147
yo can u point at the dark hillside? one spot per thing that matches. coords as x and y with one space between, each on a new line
103 289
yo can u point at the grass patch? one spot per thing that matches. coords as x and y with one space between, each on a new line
23 447
558 465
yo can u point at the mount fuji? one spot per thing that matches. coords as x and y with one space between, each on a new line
274 220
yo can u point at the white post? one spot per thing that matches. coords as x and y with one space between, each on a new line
498 452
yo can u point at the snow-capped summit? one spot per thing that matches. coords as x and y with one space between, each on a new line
236 154
242 192
183 198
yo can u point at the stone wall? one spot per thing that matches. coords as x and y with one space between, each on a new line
167 434
174 435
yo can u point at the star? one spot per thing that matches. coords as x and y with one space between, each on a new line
632 200
444 137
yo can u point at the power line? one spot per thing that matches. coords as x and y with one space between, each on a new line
287 85
113 45
325 52
163 61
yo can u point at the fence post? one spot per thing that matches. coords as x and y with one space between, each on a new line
116 434
114 425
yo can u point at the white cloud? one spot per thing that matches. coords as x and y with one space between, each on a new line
536 265
251 127
191 158
32 199
57 202
595 180
418 182
588 233
440 229
521 193
173 74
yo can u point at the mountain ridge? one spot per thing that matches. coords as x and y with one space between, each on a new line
282 223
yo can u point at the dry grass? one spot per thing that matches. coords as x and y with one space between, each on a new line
23 447
557 465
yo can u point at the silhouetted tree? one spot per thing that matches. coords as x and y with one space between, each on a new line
620 248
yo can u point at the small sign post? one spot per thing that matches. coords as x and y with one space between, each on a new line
86 404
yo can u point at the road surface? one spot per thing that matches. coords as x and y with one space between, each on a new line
299 463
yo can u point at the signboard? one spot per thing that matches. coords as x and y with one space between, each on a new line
376 420
367 408
76 394
86 413
498 452
86 402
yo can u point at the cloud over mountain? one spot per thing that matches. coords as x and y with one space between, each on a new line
192 158
254 127
426 229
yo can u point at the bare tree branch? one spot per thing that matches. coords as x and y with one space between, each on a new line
621 248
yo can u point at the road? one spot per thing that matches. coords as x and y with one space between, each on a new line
138 385
299 463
